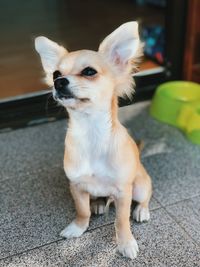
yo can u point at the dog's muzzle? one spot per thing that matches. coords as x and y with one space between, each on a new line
61 86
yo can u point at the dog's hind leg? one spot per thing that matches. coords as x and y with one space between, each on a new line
142 191
98 205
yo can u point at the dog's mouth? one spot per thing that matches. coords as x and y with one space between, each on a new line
65 97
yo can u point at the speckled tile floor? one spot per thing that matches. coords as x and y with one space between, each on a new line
35 204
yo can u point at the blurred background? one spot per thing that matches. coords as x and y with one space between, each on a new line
170 30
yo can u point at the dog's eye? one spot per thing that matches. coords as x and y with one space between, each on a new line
56 74
88 71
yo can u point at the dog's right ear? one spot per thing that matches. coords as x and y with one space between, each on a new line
123 45
50 53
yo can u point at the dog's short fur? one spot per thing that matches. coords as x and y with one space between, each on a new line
101 159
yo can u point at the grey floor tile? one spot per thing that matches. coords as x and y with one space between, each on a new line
35 203
154 204
35 208
29 149
174 177
187 214
171 160
162 244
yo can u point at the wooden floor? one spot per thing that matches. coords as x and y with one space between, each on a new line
74 23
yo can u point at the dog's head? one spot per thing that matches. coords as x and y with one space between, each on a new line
85 79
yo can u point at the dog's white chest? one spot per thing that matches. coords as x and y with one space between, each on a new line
93 173
91 166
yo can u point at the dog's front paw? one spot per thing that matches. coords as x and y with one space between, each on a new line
141 214
73 230
128 249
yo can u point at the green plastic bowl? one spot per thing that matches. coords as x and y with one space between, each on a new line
178 103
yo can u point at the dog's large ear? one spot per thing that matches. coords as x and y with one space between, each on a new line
122 45
123 49
50 53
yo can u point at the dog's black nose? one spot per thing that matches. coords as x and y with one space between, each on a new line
61 83
61 86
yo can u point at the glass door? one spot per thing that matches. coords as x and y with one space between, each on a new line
74 23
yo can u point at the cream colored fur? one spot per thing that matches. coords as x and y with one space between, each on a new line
101 159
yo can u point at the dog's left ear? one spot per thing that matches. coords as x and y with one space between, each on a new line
122 45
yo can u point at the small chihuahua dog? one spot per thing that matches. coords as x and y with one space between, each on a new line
101 159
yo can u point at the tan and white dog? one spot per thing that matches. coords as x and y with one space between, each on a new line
101 159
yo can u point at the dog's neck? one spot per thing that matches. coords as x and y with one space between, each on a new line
100 121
